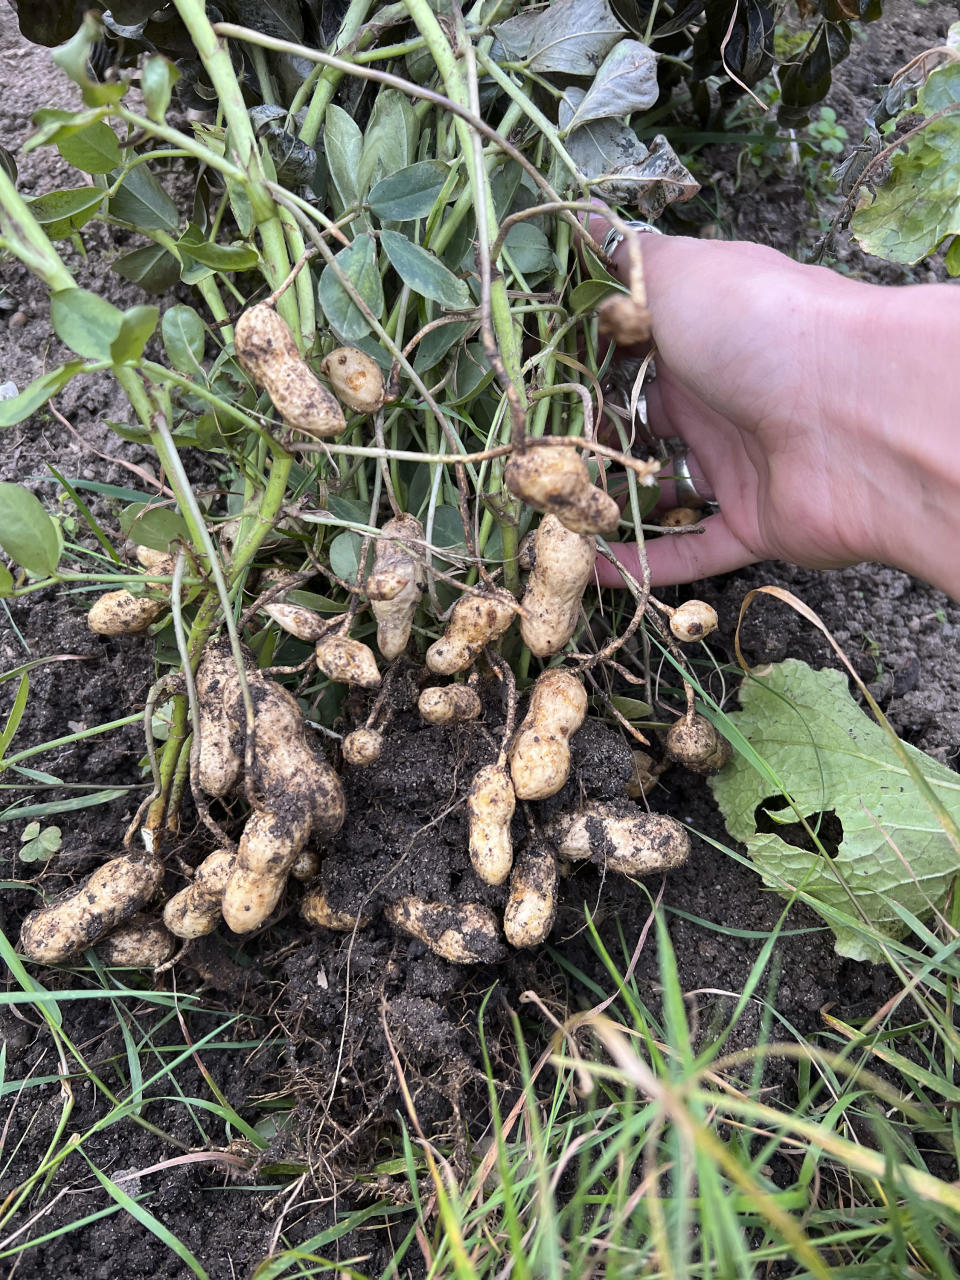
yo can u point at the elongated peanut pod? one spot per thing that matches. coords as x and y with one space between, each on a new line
90 910
529 914
348 661
356 379
140 943
220 749
557 480
317 911
267 350
396 584
563 565
298 621
158 562
540 752
195 910
464 933
451 704
490 806
119 613
476 620
622 836
249 898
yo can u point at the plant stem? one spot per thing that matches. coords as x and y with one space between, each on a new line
23 236
329 79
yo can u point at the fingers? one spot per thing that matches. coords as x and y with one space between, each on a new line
677 558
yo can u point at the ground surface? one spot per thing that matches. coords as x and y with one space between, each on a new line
316 1009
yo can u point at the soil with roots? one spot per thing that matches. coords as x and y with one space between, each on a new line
344 1032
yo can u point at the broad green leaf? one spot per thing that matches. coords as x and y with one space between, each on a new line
27 533
626 82
424 272
136 329
95 149
632 708
438 342
219 257
389 140
36 394
154 527
918 206
573 36
6 581
410 193
529 249
61 213
183 338
832 758
343 144
86 322
158 75
358 262
952 257
588 295
345 554
448 529
142 201
73 57
152 268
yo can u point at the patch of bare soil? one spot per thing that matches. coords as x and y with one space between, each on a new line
322 1011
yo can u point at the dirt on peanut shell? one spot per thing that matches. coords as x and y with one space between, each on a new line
299 1031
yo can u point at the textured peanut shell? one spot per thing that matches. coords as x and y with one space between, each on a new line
118 613
298 621
394 605
563 564
348 661
266 348
695 743
557 480
86 913
362 747
317 911
622 836
220 752
195 910
540 752
464 933
306 865
693 620
356 379
249 898
452 704
490 806
158 562
476 620
532 906
679 518
141 943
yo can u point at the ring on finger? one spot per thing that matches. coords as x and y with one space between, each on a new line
614 239
688 495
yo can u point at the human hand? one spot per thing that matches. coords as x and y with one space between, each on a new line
809 402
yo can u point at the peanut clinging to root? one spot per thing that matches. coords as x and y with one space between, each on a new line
362 747
532 905
452 704
295 619
563 563
490 806
540 752
348 661
267 350
396 584
195 910
356 379
622 836
317 911
140 943
476 620
463 932
120 613
220 750
693 620
693 741
557 480
90 910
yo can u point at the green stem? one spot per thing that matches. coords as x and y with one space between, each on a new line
23 236
329 79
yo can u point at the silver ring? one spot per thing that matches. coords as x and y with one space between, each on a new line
612 241
687 493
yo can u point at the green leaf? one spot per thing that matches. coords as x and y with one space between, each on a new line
343 143
6 581
424 272
345 554
95 149
410 193
529 249
158 75
183 338
390 139
16 714
152 268
830 757
142 201
632 708
36 394
30 831
136 329
219 257
86 322
8 164
358 262
61 213
952 258
438 342
74 59
27 533
154 527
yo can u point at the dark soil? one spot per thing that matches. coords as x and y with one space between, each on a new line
321 1013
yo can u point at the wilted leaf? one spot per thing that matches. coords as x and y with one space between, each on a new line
61 213
27 533
8 164
84 321
358 263
832 758
73 57
410 193
626 82
569 35
424 272
158 75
